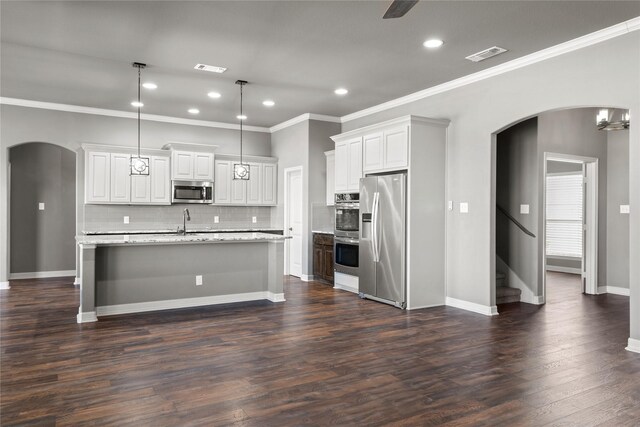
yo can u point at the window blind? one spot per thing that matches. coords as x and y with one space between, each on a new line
564 215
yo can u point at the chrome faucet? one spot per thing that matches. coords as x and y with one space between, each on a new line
185 217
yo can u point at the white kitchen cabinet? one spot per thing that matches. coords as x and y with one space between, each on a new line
348 165
97 177
386 150
120 187
331 177
222 181
269 184
259 190
254 184
141 189
160 180
191 166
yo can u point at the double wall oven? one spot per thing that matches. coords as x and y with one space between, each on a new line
346 241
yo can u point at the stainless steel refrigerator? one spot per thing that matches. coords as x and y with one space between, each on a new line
382 265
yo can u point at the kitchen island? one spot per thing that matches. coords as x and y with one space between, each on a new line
148 272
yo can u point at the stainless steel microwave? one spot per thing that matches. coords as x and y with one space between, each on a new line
191 192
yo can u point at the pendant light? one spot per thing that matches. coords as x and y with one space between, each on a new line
139 165
241 170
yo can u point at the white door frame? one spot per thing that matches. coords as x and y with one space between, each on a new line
590 242
287 172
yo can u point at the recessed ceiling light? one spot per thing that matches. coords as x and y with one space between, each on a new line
193 111
341 91
214 95
137 104
242 117
433 43
268 103
149 85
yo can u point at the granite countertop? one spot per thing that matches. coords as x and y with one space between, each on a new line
322 232
162 239
173 230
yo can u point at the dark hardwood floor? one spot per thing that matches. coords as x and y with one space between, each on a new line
323 357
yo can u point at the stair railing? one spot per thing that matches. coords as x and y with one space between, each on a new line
515 221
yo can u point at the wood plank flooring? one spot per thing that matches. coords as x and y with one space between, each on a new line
323 357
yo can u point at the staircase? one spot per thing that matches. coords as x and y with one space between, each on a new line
505 294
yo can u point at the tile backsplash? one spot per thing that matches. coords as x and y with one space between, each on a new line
322 217
111 217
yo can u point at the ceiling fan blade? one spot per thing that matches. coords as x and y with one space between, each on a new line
398 8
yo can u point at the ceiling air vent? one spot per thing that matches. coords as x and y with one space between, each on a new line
210 68
487 53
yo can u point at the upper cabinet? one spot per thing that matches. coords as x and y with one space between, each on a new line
386 150
348 165
191 165
259 190
108 179
331 176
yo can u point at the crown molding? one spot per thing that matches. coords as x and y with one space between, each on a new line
551 52
125 114
302 118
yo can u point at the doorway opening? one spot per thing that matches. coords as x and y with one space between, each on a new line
570 223
293 223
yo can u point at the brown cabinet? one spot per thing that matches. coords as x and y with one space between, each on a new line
323 257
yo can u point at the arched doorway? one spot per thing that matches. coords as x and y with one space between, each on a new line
42 211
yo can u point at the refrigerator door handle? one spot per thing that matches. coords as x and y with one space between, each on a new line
374 227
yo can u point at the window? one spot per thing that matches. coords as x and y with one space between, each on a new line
564 215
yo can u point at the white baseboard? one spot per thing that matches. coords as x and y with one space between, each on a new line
306 277
345 282
634 345
613 290
273 297
88 316
424 306
42 274
77 281
141 307
560 269
487 310
4 285
514 281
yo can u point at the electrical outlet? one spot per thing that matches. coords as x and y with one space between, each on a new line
216 219
125 238
254 219
41 206
126 220
524 209
624 209
198 280
464 207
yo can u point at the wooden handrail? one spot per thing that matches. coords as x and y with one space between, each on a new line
515 221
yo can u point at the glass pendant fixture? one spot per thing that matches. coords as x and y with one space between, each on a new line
241 170
139 165
604 123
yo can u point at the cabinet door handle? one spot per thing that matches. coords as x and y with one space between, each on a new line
290 228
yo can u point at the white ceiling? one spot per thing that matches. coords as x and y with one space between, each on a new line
294 52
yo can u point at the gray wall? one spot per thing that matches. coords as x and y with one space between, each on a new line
617 223
42 240
562 167
517 183
574 132
478 110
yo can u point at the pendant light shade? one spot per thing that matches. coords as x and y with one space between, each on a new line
139 165
241 170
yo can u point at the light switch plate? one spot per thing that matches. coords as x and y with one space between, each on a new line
524 209
216 219
464 207
41 206
198 280
254 219
126 220
624 209
450 205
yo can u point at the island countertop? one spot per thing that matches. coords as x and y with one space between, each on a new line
163 239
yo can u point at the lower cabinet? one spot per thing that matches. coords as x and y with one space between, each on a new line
323 257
